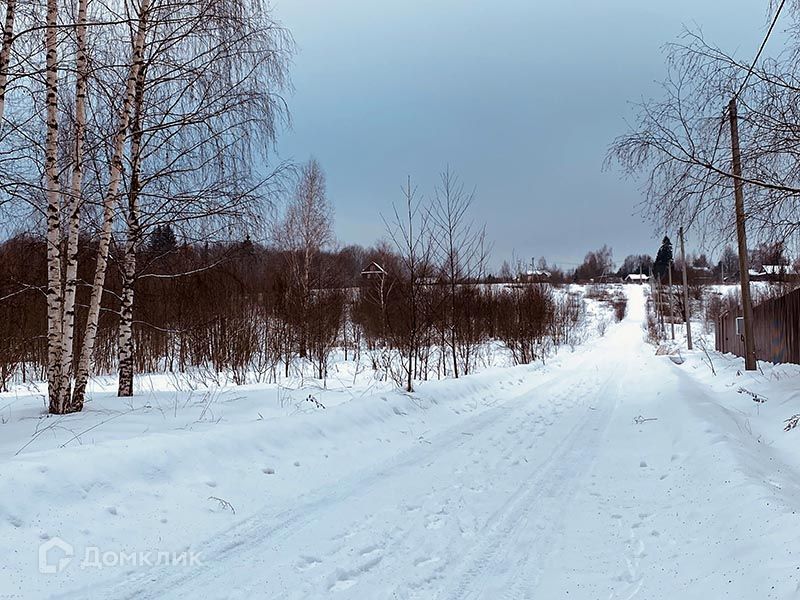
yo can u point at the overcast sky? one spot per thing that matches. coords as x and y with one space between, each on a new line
520 97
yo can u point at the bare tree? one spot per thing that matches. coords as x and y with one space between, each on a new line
680 143
460 250
201 126
409 230
303 232
109 206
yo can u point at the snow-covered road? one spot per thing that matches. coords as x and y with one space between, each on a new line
556 493
473 512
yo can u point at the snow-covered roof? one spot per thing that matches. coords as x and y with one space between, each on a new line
538 273
778 270
637 277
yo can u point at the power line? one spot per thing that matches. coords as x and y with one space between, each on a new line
736 95
761 48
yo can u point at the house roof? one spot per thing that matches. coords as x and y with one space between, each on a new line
637 277
778 270
374 269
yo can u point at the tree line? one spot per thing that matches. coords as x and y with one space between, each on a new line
248 310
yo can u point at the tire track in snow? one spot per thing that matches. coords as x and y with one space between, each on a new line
523 532
242 541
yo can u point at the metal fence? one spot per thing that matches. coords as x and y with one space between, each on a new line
776 329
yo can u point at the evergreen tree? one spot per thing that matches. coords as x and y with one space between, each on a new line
663 258
163 240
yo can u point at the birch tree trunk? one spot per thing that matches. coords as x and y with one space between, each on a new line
125 340
115 176
74 203
5 53
55 343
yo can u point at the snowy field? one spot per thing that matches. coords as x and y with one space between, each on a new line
608 473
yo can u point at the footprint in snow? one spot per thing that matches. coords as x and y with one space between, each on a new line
15 522
422 561
368 550
341 585
304 563
435 521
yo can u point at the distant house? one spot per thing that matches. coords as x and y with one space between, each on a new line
697 274
637 278
427 280
534 276
774 273
781 272
373 271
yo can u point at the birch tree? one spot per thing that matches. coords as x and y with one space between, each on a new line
74 203
57 391
109 205
304 230
5 53
207 106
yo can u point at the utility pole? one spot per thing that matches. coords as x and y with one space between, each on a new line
660 288
671 311
653 292
741 235
686 308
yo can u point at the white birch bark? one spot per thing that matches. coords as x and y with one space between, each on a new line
55 342
5 53
125 339
115 176
74 203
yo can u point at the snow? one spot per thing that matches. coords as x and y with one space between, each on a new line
608 473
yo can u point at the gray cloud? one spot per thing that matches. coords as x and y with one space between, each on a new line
521 98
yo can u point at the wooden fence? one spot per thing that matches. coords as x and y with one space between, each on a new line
776 329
